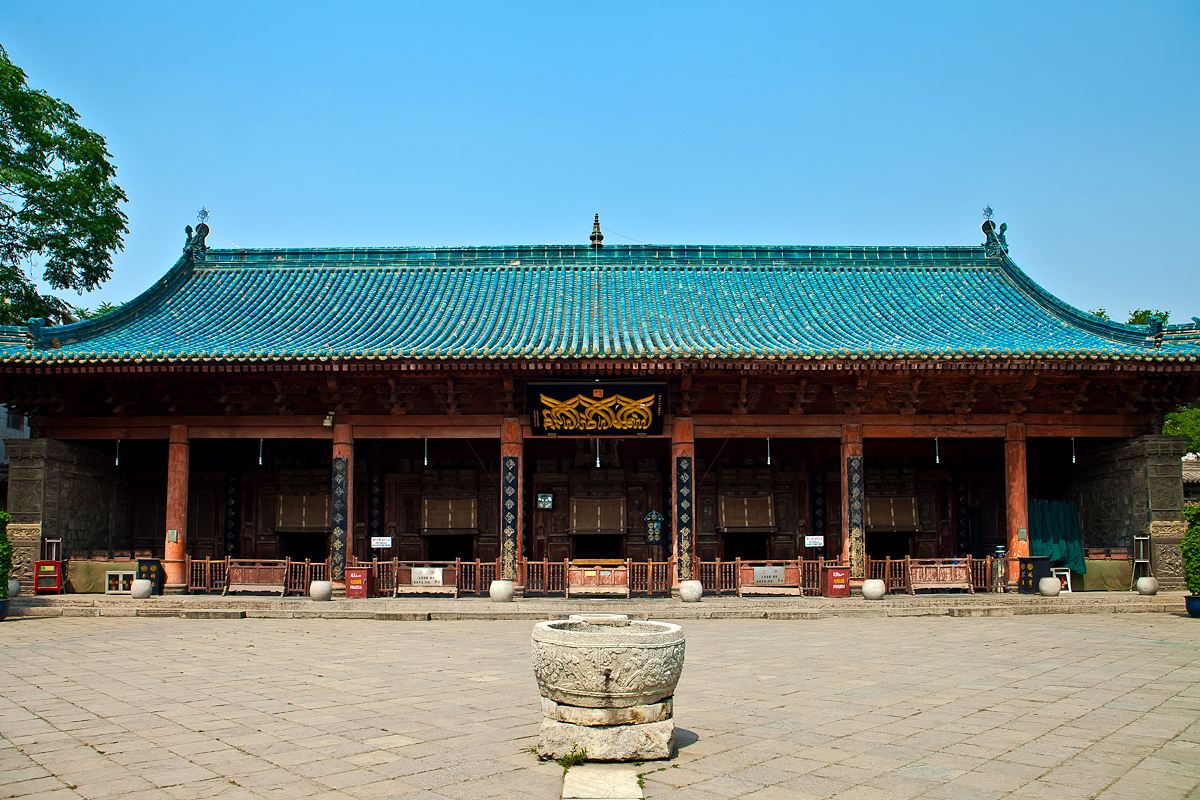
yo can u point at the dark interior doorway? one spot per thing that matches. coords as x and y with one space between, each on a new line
598 545
889 544
301 545
747 546
450 547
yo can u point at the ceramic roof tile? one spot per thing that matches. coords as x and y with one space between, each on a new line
559 301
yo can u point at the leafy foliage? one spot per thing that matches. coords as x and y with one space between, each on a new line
1185 422
1190 547
6 552
1141 316
1102 313
59 202
103 308
574 758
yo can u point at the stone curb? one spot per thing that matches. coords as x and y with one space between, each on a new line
48 607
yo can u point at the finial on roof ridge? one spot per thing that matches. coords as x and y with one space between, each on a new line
995 245
195 244
597 237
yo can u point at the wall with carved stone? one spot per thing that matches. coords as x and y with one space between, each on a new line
61 491
1135 486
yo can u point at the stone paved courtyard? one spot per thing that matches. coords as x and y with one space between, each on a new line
1064 706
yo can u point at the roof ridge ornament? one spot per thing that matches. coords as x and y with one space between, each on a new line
597 237
195 245
996 245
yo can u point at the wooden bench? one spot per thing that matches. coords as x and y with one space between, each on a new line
599 578
939 573
254 575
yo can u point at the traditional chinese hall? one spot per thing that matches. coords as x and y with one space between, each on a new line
568 416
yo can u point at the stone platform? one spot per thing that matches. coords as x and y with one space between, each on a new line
420 609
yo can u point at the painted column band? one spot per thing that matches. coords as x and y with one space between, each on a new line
509 515
855 506
341 493
684 516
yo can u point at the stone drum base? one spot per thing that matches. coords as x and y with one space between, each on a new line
644 742
600 717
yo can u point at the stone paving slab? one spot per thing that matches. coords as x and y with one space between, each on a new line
601 782
1066 706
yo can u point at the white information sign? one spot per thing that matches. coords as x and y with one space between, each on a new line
381 542
426 576
814 541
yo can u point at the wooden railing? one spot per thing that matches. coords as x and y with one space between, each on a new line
207 575
468 577
212 575
717 577
652 578
545 577
891 571
301 573
728 577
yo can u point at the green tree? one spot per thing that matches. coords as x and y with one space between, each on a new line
1141 316
1102 313
6 553
103 308
1185 421
59 203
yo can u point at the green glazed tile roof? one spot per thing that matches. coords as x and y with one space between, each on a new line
568 302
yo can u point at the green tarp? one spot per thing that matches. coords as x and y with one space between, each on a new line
1104 575
1054 531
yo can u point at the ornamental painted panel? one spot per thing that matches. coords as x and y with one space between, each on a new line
510 472
856 507
341 486
684 515
817 495
232 519
597 409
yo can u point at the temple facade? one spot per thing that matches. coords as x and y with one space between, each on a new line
673 405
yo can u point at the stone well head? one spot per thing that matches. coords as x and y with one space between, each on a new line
607 663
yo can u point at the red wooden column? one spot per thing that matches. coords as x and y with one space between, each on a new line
175 549
1016 494
341 504
512 499
683 497
854 543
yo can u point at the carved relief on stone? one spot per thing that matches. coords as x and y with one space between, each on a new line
25 494
26 541
608 670
1166 560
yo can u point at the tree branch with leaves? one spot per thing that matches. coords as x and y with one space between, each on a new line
60 205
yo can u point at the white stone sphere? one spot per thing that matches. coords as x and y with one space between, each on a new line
691 591
321 590
501 591
874 589
1049 587
1147 585
141 589
14 587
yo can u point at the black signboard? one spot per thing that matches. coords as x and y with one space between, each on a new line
600 408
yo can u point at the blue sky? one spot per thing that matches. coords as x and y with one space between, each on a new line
825 123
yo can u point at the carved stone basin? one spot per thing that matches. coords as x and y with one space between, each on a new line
602 663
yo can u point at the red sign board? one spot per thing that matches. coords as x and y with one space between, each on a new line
358 583
835 581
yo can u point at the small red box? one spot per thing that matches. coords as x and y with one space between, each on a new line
835 581
360 583
47 577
